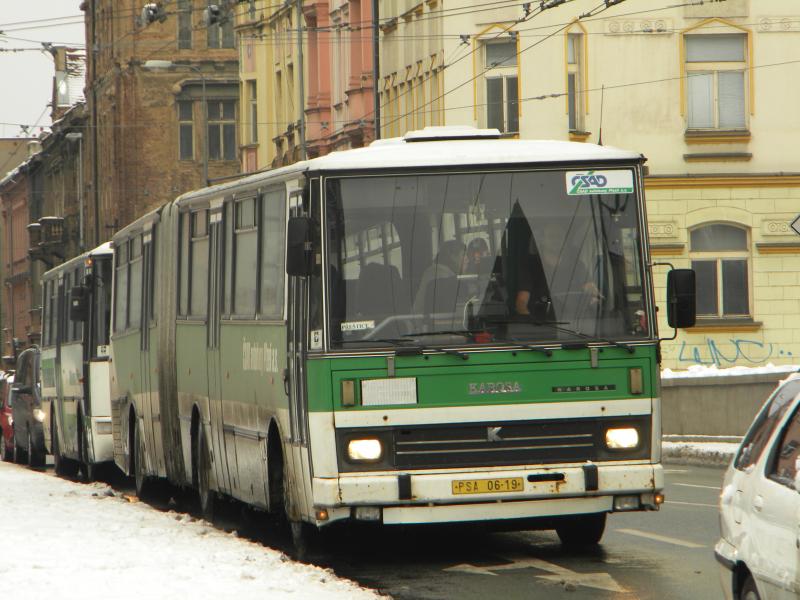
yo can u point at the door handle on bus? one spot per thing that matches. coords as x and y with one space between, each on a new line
758 503
286 381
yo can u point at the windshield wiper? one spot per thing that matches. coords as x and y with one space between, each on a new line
583 344
416 349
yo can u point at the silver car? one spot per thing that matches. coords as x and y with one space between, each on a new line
759 549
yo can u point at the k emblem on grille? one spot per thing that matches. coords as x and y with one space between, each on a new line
493 434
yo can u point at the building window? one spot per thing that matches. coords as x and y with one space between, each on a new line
220 34
720 258
252 97
575 79
184 24
715 81
222 130
185 130
502 106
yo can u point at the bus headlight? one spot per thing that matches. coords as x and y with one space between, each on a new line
364 450
38 414
622 438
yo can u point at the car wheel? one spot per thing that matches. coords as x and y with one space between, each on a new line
749 590
36 456
206 495
582 530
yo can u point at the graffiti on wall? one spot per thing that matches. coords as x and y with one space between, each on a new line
736 351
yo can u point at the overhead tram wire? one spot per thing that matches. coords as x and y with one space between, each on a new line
604 6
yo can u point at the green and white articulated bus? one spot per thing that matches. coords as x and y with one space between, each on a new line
75 362
447 327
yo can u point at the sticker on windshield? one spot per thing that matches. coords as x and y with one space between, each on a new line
358 325
581 183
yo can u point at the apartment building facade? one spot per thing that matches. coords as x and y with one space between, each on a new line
306 79
163 98
709 107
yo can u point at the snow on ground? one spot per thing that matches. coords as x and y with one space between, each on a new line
65 540
713 371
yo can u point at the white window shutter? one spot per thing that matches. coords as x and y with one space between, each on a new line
700 99
731 100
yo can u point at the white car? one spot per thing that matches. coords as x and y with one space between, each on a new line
759 550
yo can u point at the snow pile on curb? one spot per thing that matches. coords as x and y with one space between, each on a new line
713 371
698 453
66 540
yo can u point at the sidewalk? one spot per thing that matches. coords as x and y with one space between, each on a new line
703 450
66 540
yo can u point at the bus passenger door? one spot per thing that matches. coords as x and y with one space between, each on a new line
150 393
215 283
297 460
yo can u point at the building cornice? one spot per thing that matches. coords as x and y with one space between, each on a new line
723 180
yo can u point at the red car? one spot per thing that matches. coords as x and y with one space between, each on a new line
6 421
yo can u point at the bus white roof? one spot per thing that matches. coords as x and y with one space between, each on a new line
427 148
102 250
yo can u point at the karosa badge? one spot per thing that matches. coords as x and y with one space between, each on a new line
500 387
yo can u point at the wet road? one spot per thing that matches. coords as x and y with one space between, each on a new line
668 554
643 556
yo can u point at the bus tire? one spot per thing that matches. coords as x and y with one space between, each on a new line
142 481
36 456
20 455
87 468
581 531
202 458
63 466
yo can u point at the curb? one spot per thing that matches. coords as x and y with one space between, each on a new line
708 454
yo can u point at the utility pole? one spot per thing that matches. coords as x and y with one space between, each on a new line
300 75
376 66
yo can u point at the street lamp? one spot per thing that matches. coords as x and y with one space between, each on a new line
162 65
78 137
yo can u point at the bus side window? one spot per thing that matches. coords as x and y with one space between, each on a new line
273 234
121 288
198 262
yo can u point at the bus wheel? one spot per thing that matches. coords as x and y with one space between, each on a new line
143 482
87 468
203 461
36 457
62 465
582 530
20 455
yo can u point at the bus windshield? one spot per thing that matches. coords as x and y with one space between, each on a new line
482 258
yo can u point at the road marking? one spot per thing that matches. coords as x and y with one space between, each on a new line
660 538
556 573
694 485
691 503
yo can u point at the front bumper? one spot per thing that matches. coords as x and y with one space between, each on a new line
726 556
428 497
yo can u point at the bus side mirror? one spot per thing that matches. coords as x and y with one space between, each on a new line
298 247
79 303
681 298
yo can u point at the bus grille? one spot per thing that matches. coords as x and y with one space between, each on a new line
501 444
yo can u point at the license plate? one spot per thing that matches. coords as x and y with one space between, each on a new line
488 486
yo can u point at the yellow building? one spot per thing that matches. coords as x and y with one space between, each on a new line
703 90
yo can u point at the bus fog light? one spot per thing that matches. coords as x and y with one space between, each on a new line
623 438
38 414
369 449
367 513
626 503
